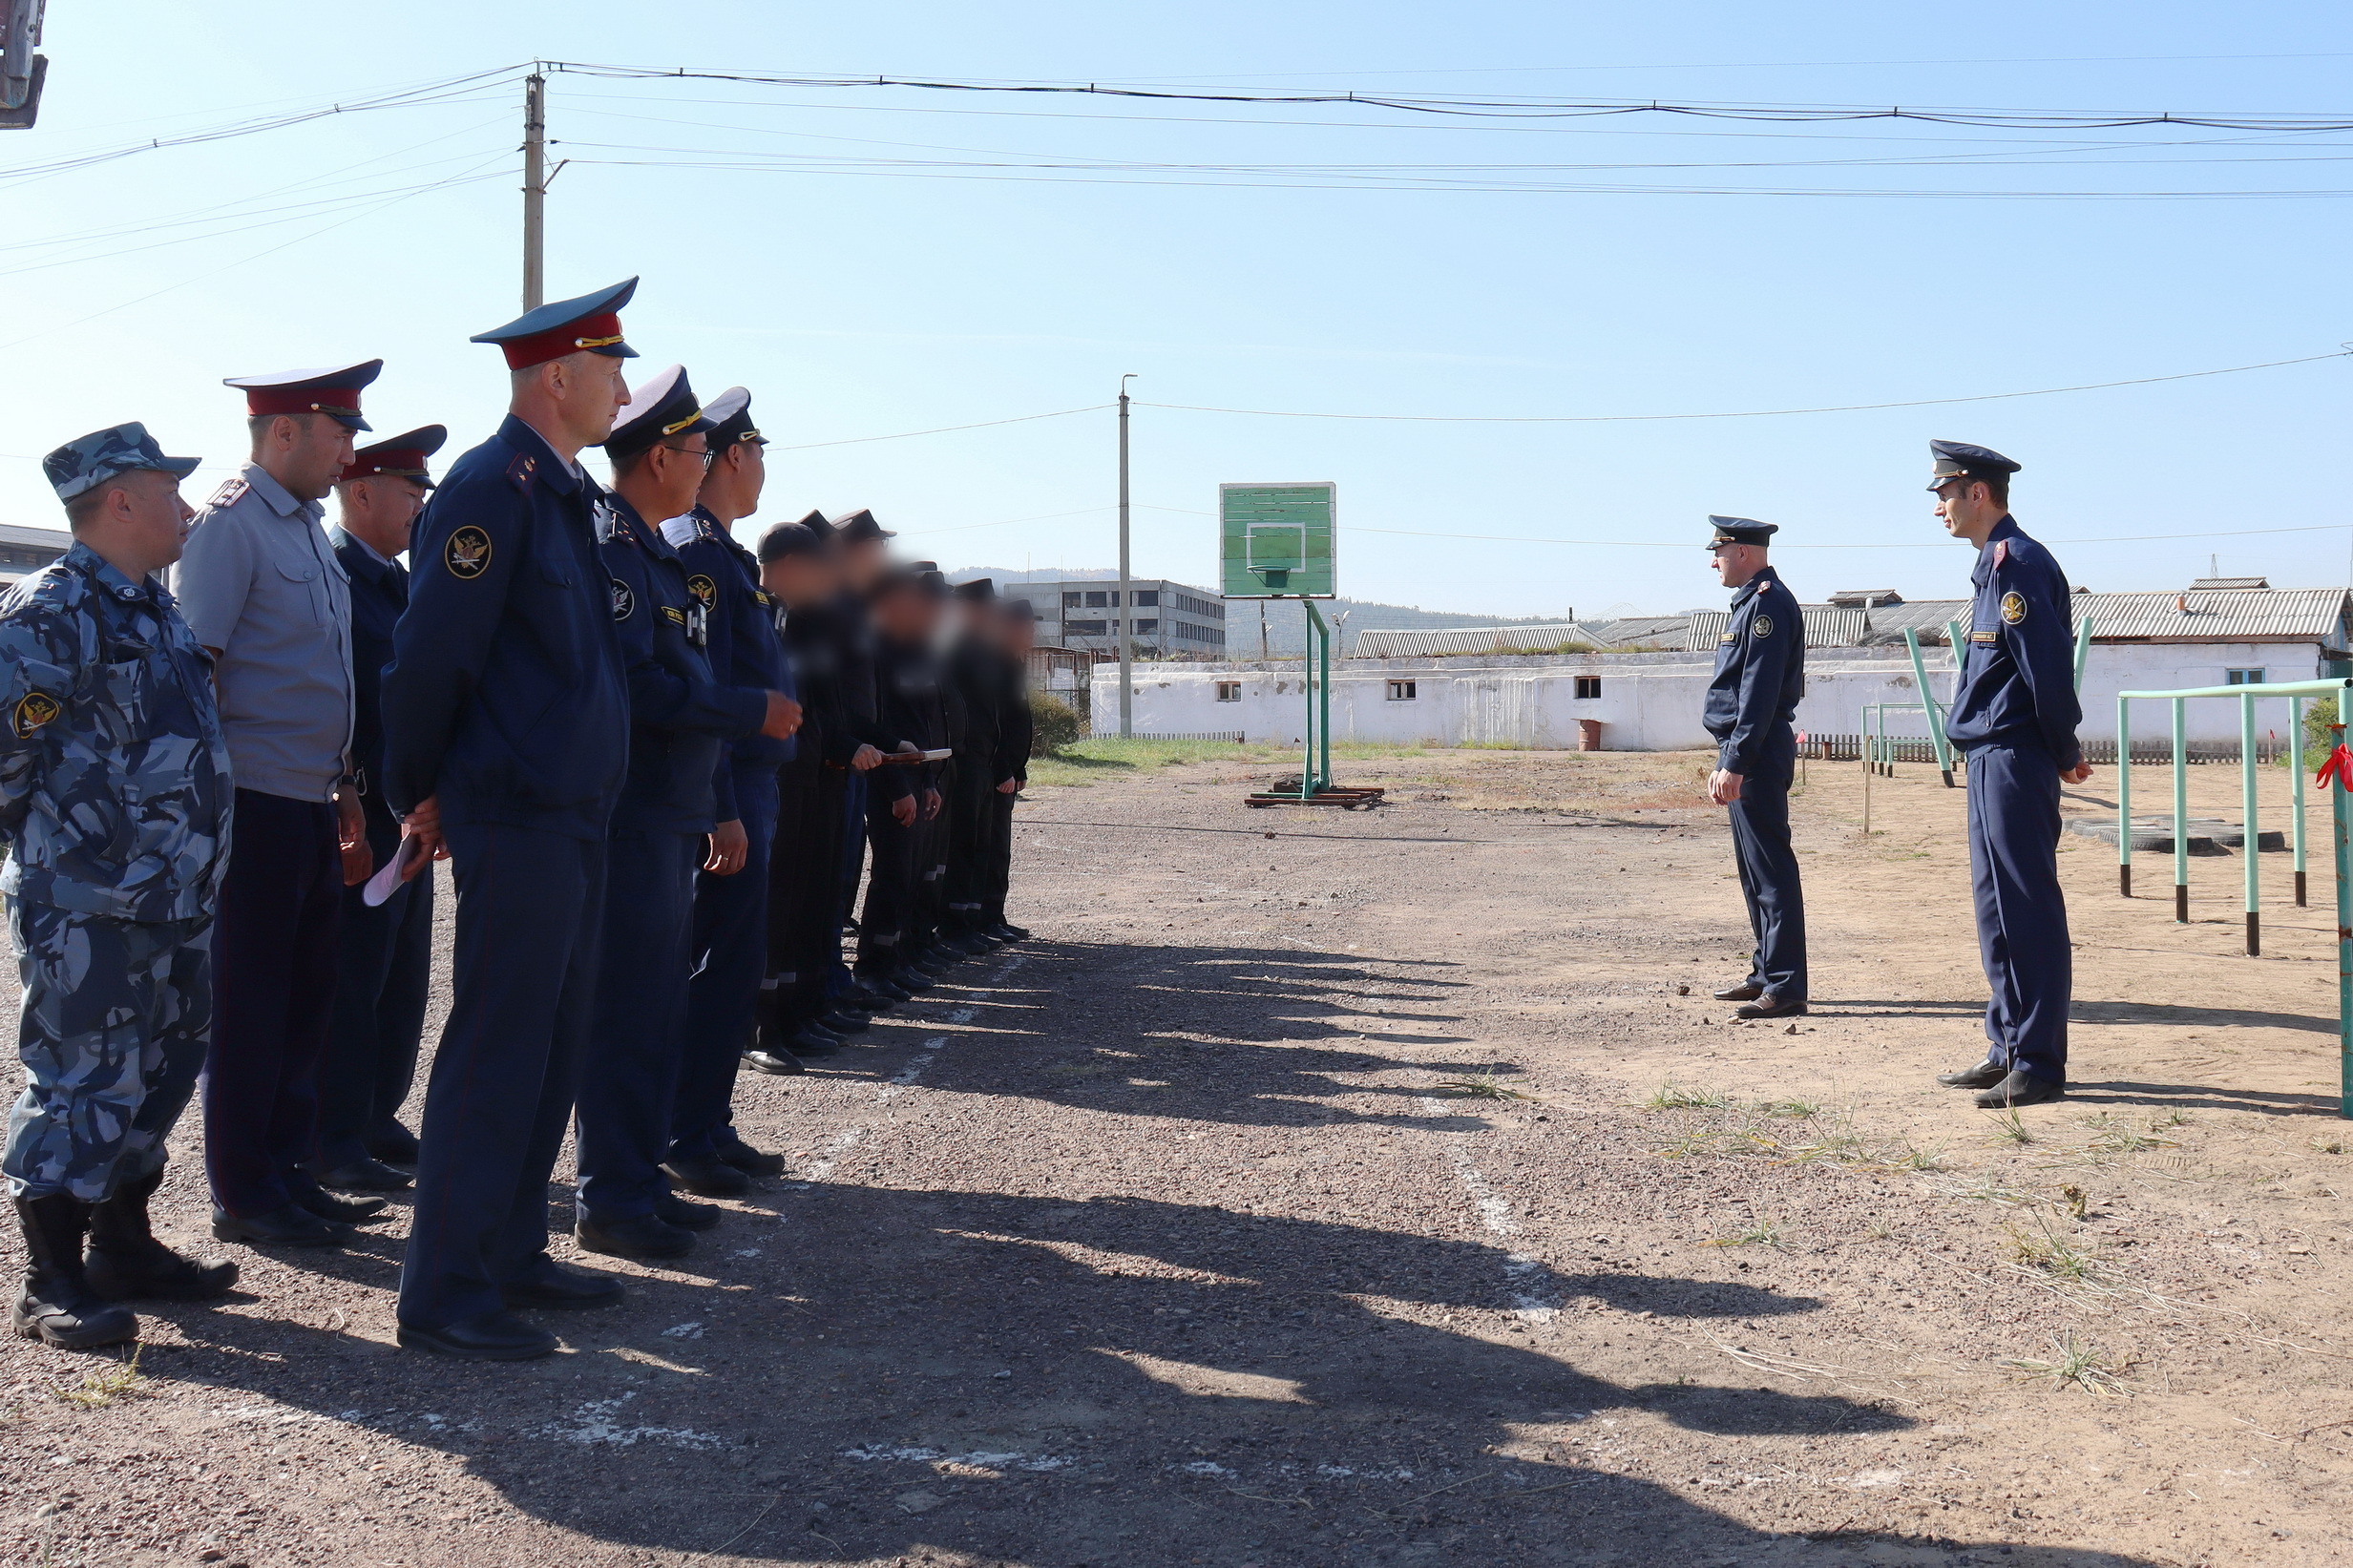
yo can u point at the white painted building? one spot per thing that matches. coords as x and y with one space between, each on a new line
1651 702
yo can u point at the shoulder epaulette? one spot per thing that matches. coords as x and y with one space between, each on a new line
230 494
520 472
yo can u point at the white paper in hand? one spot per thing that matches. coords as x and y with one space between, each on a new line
387 881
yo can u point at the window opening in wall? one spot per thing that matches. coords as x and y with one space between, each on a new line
1400 691
1229 691
1148 598
1588 686
2242 678
1072 601
1097 598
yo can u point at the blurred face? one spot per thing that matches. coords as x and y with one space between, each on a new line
862 563
903 615
305 452
801 580
1967 509
1020 632
1736 564
731 489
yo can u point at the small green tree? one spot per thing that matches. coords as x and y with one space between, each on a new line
2318 718
1054 724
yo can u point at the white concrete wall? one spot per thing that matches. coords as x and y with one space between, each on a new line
1651 701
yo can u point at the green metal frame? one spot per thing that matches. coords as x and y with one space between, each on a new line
1954 636
2295 693
1315 767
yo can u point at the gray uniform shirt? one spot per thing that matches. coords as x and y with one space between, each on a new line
258 582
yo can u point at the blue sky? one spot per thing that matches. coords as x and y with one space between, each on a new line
901 261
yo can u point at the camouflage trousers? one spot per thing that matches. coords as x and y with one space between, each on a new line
112 1027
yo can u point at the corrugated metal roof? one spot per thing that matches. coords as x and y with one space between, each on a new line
1642 631
1826 627
2246 615
39 538
1372 643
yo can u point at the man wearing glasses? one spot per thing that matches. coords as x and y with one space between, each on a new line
2014 716
680 718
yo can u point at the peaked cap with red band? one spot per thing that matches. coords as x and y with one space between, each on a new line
331 390
591 323
402 457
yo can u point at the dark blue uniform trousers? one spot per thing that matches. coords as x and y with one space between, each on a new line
273 993
1769 876
629 1083
383 974
729 957
528 910
2020 919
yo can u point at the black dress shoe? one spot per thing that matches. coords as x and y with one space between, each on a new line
292 1225
1747 990
493 1336
1012 932
1983 1076
673 1210
813 1042
708 1177
632 1236
394 1144
326 1205
816 1029
2020 1089
772 1060
365 1175
913 980
1769 1006
743 1157
875 993
554 1286
864 996
842 1022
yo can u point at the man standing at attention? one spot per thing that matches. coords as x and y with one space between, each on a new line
385 961
1760 673
106 701
2014 716
505 734
262 592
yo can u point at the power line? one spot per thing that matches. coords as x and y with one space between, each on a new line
1909 544
944 430
1741 413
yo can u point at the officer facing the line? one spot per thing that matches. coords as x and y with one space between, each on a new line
506 738
115 795
2014 715
1760 673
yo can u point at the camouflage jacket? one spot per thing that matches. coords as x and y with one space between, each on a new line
115 785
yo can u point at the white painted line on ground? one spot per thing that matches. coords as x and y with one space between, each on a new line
905 1078
1496 1216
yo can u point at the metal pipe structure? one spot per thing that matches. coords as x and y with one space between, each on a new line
2124 798
2247 807
2181 813
2082 647
1127 593
2345 928
2296 773
1936 715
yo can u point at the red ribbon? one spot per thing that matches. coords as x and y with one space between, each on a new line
2340 766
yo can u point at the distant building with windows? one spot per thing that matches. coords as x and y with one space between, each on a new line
1167 620
25 551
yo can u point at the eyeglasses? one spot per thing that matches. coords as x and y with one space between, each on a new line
705 457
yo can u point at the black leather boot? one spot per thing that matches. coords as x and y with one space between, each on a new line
56 1304
126 1260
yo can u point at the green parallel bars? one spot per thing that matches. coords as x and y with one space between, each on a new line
2246 807
2082 647
1315 766
2181 813
2295 772
1936 715
2344 925
2124 798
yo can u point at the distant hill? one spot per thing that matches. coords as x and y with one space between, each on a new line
1286 623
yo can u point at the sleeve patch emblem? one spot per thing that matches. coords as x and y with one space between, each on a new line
624 602
468 554
1761 626
705 590
2013 608
33 710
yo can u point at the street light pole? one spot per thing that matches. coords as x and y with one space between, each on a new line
534 190
1127 690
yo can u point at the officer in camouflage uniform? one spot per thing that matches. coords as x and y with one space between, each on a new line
115 794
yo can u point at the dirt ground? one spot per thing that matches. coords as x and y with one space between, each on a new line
1381 1188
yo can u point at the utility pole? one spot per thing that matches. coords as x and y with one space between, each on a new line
534 190
1127 669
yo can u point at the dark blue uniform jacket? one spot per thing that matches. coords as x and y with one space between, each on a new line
379 594
1760 673
857 651
505 695
747 648
2018 668
678 717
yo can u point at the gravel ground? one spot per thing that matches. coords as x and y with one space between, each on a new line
1295 1198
